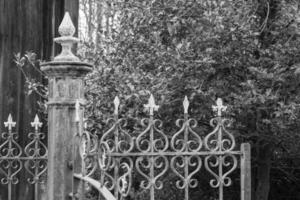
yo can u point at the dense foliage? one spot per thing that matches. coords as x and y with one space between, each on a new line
246 52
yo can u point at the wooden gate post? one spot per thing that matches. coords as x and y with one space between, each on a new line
246 172
65 74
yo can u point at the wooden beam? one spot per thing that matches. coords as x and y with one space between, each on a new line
66 86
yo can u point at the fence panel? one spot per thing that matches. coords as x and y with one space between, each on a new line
32 159
151 155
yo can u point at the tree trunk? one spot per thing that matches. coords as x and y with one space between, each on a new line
25 26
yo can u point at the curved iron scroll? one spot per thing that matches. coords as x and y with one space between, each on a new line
13 158
152 154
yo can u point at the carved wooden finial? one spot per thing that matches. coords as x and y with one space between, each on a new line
219 108
9 123
151 105
186 104
36 123
116 103
66 30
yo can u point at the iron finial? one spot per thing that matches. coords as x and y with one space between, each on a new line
36 123
151 105
116 103
9 123
186 104
219 108
66 30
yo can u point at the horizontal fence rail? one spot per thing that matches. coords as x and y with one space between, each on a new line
14 158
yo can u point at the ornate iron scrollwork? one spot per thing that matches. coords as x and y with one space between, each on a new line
13 159
151 154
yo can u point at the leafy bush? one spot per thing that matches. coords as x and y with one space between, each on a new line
243 51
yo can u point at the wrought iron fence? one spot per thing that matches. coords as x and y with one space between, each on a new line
14 158
119 156
152 154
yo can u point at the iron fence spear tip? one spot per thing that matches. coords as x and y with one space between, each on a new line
116 103
9 119
219 107
151 105
186 104
116 100
9 123
36 122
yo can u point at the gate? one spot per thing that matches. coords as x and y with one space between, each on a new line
151 154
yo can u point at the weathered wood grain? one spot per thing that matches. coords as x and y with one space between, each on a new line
25 25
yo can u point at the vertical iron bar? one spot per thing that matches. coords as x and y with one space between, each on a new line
220 134
36 197
35 183
220 159
83 171
186 173
152 177
9 181
116 175
36 169
78 162
81 194
117 164
220 177
9 164
186 164
151 159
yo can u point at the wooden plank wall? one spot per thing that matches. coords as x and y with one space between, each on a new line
26 26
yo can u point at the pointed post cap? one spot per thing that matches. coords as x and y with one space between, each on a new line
151 105
66 30
219 108
66 63
36 123
9 123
